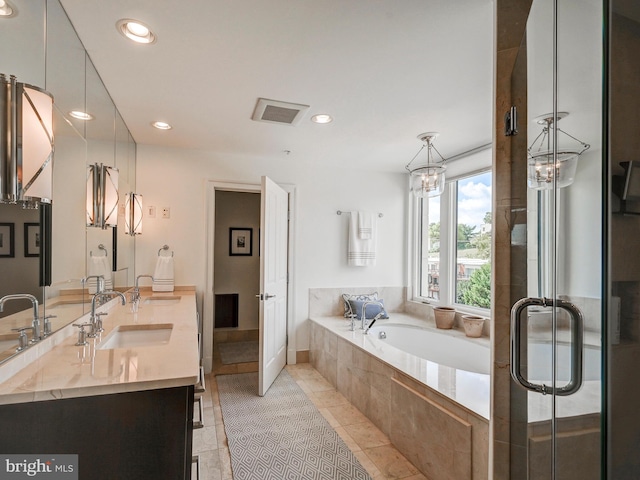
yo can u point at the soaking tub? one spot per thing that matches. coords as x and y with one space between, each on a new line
435 346
434 404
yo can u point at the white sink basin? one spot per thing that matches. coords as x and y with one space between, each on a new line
144 335
162 300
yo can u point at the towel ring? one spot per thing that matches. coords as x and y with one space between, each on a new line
340 212
101 247
164 247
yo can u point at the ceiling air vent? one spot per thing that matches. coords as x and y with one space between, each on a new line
273 111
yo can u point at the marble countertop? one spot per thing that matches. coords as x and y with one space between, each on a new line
56 368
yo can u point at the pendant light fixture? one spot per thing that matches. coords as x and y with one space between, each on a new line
547 167
428 179
133 214
102 196
26 143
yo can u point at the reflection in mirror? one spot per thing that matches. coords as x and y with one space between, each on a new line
100 150
59 64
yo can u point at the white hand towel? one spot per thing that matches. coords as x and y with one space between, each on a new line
163 275
100 265
366 220
361 252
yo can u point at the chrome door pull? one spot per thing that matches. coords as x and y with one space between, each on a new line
577 333
577 340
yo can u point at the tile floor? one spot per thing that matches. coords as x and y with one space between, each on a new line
368 443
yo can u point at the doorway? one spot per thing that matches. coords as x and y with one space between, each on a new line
211 288
236 282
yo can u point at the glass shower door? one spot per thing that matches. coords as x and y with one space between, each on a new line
557 253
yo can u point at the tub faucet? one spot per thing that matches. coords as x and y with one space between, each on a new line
378 316
363 315
37 334
94 320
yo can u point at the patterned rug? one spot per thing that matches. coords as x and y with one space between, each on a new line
281 436
238 352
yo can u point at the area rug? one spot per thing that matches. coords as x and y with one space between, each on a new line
238 352
281 436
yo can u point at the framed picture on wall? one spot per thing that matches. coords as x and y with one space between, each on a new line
7 249
240 241
31 239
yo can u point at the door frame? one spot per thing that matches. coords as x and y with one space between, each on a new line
208 310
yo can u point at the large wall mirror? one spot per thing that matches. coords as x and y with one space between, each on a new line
40 47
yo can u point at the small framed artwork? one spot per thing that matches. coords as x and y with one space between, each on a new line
240 241
31 239
7 249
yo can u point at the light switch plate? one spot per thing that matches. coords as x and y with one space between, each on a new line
151 211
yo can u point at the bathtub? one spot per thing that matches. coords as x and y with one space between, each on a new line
445 361
436 347
474 357
439 403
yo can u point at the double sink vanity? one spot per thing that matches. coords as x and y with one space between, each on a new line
123 401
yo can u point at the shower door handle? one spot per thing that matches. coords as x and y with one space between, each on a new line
577 341
577 329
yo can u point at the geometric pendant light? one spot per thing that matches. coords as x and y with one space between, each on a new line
428 179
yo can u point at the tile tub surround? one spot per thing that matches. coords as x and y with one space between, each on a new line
415 403
67 371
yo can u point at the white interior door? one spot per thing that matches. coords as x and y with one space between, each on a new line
273 283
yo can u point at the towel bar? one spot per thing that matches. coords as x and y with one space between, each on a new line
340 212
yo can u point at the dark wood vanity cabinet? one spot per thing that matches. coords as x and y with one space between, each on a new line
138 435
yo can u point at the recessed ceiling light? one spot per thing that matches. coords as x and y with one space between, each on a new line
5 9
161 125
322 118
135 30
81 115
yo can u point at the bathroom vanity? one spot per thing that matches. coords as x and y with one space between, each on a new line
123 403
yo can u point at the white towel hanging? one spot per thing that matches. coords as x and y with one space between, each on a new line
100 265
366 221
163 275
361 251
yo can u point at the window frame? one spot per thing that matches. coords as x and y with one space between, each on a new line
448 250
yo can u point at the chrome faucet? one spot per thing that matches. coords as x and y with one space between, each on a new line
363 315
94 320
100 282
378 316
135 296
37 334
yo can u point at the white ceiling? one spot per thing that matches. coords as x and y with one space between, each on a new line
387 70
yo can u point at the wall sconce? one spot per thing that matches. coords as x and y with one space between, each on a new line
26 143
133 214
428 180
102 196
545 173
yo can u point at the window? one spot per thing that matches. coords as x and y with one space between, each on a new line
454 263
